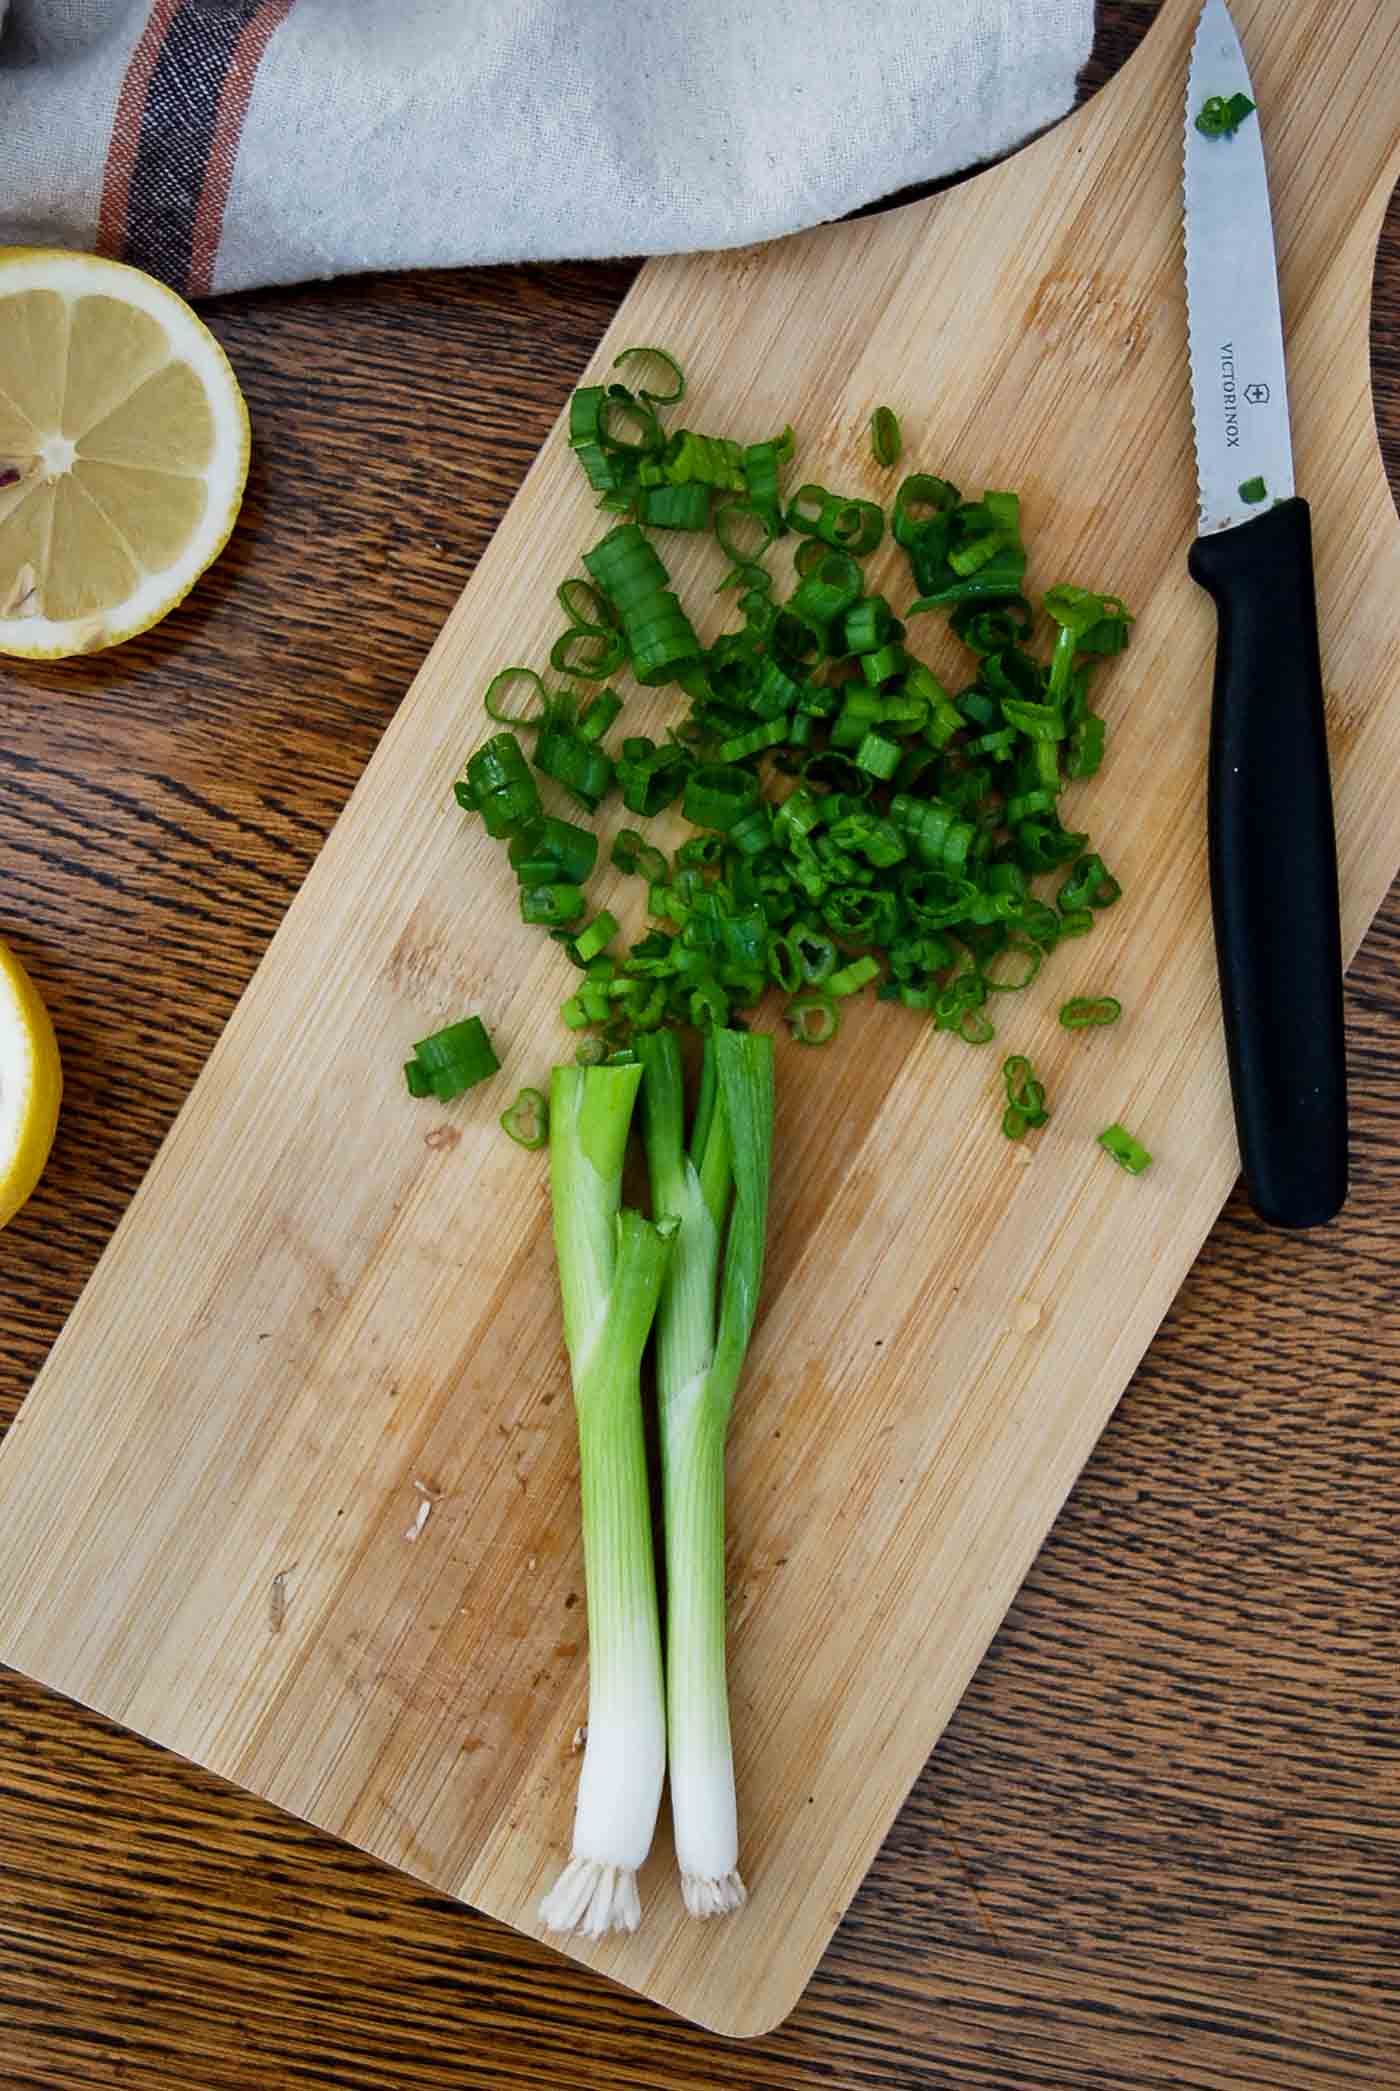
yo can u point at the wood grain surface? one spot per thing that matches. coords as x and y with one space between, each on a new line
1197 1682
325 1299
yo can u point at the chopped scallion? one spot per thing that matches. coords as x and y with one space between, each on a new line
553 906
1221 115
849 980
1083 1012
612 1265
1129 1153
451 1061
596 937
886 442
527 1119
665 365
1025 1097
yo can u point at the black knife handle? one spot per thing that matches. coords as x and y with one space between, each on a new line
1273 868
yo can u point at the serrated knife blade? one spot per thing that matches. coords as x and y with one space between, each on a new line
1272 847
1239 385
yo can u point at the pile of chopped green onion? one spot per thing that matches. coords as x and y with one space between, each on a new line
856 823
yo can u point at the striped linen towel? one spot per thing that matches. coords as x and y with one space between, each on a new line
223 143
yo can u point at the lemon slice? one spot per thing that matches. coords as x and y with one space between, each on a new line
31 1085
123 451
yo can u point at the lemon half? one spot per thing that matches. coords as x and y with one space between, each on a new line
31 1085
123 451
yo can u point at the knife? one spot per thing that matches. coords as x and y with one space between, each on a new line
1272 845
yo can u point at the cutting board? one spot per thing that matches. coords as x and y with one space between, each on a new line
295 1493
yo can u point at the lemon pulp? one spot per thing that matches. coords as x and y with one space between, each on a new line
31 1085
123 451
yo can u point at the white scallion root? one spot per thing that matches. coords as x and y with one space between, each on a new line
713 1897
593 1899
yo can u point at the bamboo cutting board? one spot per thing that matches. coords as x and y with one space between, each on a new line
328 1307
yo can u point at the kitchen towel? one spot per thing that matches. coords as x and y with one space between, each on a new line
223 143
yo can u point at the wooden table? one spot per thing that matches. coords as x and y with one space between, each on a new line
1159 1844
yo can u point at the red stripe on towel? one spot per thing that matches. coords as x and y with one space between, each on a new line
228 129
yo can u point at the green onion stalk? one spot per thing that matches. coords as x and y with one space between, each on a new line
719 1190
612 1263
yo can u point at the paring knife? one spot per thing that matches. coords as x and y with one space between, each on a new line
1273 853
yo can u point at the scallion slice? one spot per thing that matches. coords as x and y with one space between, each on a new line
674 507
717 794
813 1019
719 1191
502 789
664 363
1084 1012
1128 1152
1221 115
596 937
553 906
612 1265
527 1119
495 699
451 1061
886 442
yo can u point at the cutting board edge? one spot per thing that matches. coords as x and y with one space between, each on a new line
520 497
